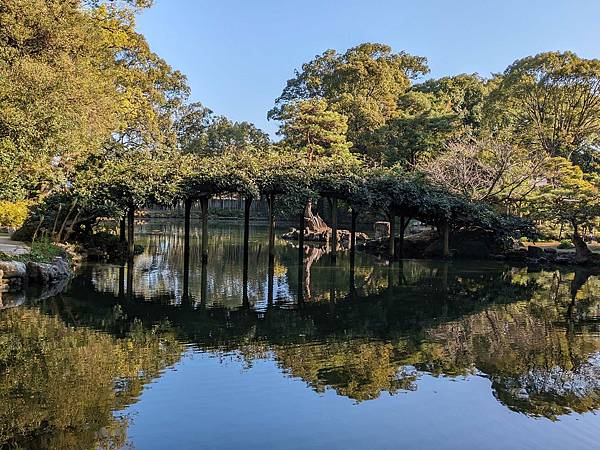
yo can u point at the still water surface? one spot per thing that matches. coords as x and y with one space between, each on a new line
414 355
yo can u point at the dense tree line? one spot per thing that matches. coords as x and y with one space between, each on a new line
93 123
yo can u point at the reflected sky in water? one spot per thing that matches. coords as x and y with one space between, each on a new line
417 354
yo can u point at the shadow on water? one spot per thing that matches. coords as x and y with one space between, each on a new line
356 326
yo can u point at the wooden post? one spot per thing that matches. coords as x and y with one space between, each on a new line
130 231
247 205
445 240
204 206
122 227
334 229
391 243
186 247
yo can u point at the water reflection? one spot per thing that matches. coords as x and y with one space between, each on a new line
360 330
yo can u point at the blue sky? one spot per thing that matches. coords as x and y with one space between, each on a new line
238 54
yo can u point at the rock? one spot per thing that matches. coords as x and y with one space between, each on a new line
550 251
534 252
382 230
13 269
565 259
48 273
516 254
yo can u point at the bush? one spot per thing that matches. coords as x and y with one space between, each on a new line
13 214
42 251
565 244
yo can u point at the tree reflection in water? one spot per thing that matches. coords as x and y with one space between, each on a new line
68 362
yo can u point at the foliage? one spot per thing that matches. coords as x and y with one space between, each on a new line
565 244
13 214
311 127
568 195
74 81
488 170
363 84
199 131
550 101
72 379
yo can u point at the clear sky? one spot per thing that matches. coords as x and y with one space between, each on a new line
238 54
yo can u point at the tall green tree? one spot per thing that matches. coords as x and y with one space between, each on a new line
550 101
200 131
363 84
309 126
76 79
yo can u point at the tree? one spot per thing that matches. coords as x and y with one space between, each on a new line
201 132
550 101
429 115
463 96
569 195
310 127
363 84
76 79
487 170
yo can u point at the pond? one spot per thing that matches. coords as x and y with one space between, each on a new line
416 354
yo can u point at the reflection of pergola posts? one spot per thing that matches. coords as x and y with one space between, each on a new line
130 278
271 276
121 281
186 247
130 233
203 284
445 240
204 206
302 223
403 225
354 215
334 228
247 205
271 201
391 243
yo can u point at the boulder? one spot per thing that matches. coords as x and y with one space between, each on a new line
13 269
48 273
534 252
516 254
381 230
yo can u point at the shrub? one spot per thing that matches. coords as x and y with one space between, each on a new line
565 244
42 251
13 214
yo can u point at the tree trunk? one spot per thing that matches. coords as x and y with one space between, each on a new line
122 227
314 223
583 254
